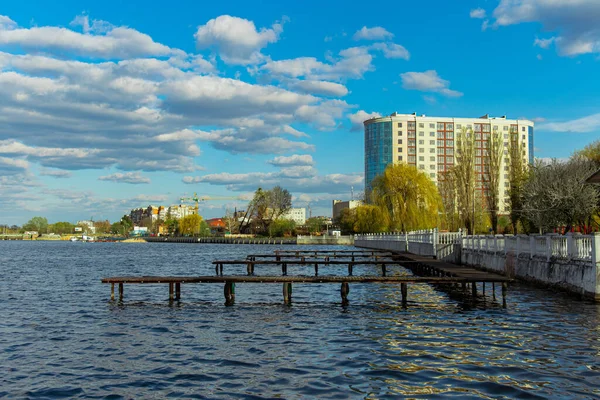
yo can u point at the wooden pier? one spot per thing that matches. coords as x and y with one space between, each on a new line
426 270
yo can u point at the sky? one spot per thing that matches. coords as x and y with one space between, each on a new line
106 106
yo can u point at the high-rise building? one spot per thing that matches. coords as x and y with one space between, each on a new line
428 143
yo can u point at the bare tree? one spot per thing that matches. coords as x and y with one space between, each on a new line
463 174
447 189
491 176
556 194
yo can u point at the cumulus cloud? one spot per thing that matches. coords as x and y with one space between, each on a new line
543 43
359 117
478 13
55 173
11 166
7 23
576 22
294 160
236 40
428 81
134 178
323 88
375 33
392 50
586 124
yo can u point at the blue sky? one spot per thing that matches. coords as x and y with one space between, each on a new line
107 106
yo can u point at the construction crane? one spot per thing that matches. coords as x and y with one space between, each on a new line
197 199
194 199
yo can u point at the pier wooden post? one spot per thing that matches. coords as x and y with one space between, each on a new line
404 291
216 269
464 287
178 291
316 269
474 289
249 268
221 269
112 291
494 290
383 270
229 291
504 290
120 291
345 289
350 267
171 291
287 292
284 268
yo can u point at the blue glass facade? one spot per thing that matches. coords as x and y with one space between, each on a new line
378 149
530 141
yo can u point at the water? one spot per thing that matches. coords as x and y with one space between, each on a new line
61 337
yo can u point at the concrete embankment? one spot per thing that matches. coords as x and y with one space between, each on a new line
221 240
326 240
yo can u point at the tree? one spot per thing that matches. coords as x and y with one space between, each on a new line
556 194
346 220
491 176
62 228
282 227
102 226
315 224
517 177
370 219
463 173
38 224
190 225
231 224
280 201
265 207
447 189
408 198
590 152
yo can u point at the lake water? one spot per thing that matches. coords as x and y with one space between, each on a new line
61 337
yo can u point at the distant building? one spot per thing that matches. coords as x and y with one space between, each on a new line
179 211
595 178
339 205
88 226
298 215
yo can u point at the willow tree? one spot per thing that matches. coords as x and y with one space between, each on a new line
408 198
517 173
491 176
463 174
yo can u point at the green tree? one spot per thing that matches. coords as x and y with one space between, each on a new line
346 220
491 176
590 152
370 219
102 226
408 198
315 224
38 224
517 173
62 228
190 225
282 227
204 229
463 174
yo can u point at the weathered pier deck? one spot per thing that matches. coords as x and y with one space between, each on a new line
427 270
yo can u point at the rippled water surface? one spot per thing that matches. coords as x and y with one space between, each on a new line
60 336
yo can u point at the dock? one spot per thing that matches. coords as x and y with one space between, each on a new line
425 269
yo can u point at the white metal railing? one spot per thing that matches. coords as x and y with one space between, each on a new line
578 247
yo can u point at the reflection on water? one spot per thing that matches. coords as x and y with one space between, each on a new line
61 337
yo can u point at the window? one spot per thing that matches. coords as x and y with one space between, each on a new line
399 149
506 184
432 142
486 127
469 126
506 159
477 160
506 168
477 127
412 150
421 142
505 128
411 125
449 143
505 152
449 135
440 150
399 124
440 167
399 158
431 166
432 150
458 126
432 158
522 129
432 134
505 144
440 135
432 175
412 159
505 176
495 127
421 150
478 168
421 158
441 159
411 134
449 127
506 135
421 166
421 125
440 126
523 137
421 133
440 143
399 141
432 126
412 142
449 151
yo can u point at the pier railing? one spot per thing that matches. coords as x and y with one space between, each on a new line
430 242
570 247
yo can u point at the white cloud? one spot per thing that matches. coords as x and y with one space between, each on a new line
11 166
323 88
392 50
359 117
428 81
6 23
543 43
236 39
477 13
575 21
590 123
56 173
294 160
375 33
134 178
117 42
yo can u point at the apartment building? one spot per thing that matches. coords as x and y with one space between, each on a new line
338 206
428 143
298 215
